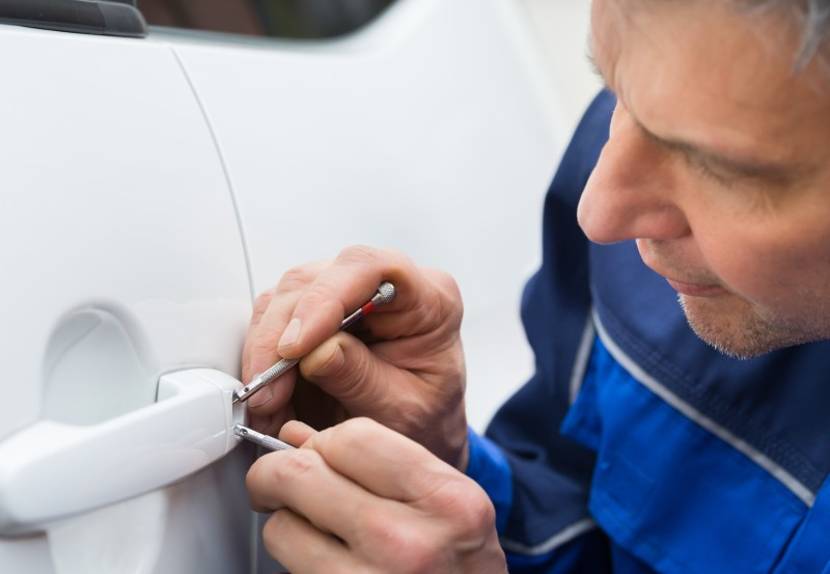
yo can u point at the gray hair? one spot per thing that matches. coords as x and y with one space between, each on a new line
815 24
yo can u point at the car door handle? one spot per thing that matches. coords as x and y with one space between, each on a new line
51 470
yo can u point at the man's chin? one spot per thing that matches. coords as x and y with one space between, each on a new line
732 327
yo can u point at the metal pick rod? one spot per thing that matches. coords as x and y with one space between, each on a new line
384 295
262 440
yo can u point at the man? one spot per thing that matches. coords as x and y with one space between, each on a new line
636 447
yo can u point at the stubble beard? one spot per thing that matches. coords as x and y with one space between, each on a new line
733 327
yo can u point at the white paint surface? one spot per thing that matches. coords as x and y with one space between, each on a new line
432 132
113 204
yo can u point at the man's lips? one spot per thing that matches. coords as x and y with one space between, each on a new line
695 289
685 287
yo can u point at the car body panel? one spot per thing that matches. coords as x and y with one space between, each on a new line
431 131
151 186
122 261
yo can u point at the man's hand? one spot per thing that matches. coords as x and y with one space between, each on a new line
403 368
359 497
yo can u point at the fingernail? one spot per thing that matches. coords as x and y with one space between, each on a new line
261 397
291 333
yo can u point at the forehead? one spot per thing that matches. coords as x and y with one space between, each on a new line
720 74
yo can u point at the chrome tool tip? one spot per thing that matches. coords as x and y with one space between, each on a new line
385 294
262 440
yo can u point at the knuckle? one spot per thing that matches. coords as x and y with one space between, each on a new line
479 518
440 308
447 284
297 463
359 429
262 301
374 527
455 369
412 416
349 436
413 550
398 260
358 254
295 278
449 299
420 553
321 293
270 470
393 262
471 510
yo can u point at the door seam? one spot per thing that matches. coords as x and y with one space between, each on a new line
225 171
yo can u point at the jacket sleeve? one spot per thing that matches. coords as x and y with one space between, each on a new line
537 478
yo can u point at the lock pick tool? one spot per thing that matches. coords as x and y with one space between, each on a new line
385 294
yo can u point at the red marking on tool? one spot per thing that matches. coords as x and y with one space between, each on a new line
367 308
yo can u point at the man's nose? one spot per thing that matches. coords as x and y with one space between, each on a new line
630 194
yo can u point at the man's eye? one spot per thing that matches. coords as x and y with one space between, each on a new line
703 169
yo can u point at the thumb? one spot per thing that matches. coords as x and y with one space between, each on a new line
345 368
296 433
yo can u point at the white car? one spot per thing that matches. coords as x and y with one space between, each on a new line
151 185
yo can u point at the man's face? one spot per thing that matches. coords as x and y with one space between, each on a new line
718 165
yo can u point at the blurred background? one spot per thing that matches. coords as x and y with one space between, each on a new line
557 36
560 30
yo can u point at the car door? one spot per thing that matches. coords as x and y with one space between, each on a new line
431 130
123 269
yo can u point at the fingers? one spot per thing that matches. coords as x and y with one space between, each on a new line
286 532
343 286
438 309
436 520
272 311
296 433
382 461
412 334
302 481
260 305
261 352
346 369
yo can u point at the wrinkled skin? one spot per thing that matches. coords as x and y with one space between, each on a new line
405 368
349 501
718 165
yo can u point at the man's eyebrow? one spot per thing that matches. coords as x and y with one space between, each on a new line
777 173
773 172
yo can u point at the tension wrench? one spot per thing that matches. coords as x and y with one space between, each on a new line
384 295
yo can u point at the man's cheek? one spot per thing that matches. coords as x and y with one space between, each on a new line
755 271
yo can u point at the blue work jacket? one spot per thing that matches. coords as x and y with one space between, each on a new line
636 447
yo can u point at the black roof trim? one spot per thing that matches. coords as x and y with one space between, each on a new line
110 18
